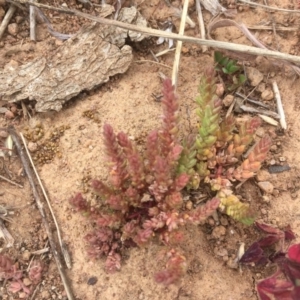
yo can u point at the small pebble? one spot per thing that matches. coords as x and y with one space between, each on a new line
228 100
189 205
9 115
263 175
13 29
266 186
32 147
275 193
92 280
261 87
232 263
27 281
260 132
273 148
26 255
266 199
282 158
263 211
45 294
254 76
19 19
220 90
218 232
211 222
224 221
3 134
221 252
267 95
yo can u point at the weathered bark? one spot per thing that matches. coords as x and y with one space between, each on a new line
84 61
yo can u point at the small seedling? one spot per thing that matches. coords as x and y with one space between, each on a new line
229 71
11 272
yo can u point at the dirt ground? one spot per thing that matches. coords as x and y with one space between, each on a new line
127 103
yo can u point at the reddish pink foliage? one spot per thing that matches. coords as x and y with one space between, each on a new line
113 262
8 270
144 198
35 271
175 268
80 203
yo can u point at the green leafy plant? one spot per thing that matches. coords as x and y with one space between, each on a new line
216 154
229 71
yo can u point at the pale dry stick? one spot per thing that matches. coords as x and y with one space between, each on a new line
41 251
270 7
259 103
201 24
7 18
6 235
61 243
10 181
280 110
260 111
230 108
179 44
153 62
269 120
30 175
163 52
170 35
32 22
35 291
278 28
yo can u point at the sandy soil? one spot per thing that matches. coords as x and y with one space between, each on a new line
127 103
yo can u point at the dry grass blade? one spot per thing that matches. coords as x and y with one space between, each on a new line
201 23
174 36
179 44
32 21
10 181
30 175
279 106
4 233
270 7
62 245
7 18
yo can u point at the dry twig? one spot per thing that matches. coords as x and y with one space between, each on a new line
6 235
170 35
32 21
259 111
10 181
201 23
279 105
7 18
62 245
269 7
179 44
30 175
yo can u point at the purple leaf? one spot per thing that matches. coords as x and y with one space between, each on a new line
289 234
269 240
268 229
253 254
